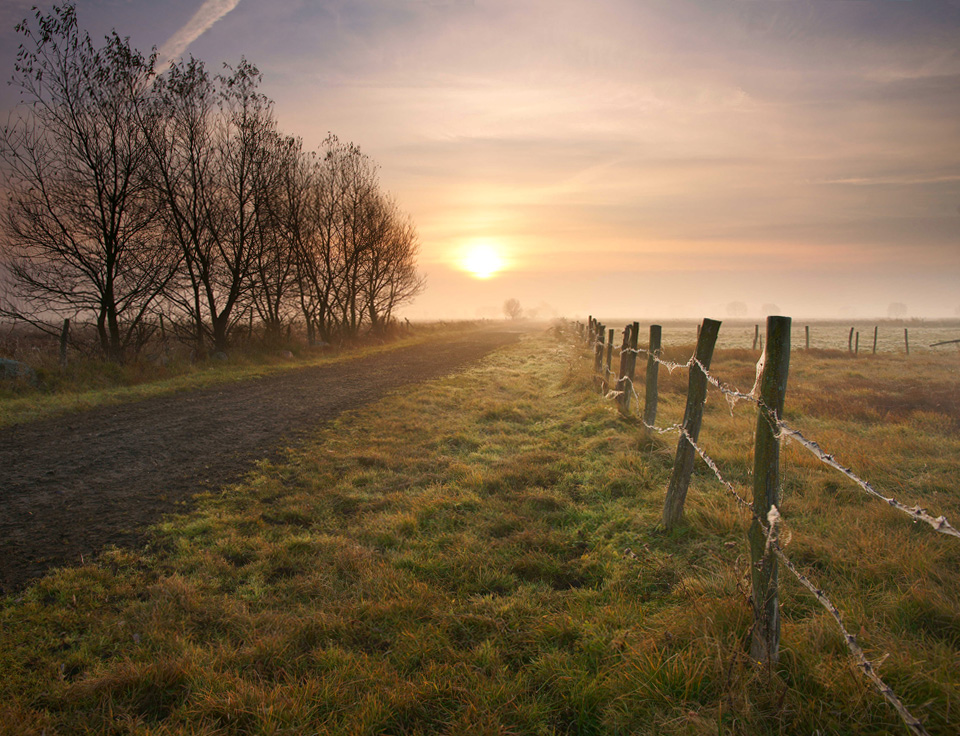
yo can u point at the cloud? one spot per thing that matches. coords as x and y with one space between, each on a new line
209 13
864 181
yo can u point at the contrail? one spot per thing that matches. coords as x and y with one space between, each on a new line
209 13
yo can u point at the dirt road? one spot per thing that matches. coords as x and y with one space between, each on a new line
71 485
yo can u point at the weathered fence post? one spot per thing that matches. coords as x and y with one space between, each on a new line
906 340
765 646
628 366
856 344
807 330
653 373
64 338
850 341
756 335
609 364
622 369
875 339
598 351
692 416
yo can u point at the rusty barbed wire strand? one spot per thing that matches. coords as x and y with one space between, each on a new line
917 513
660 430
733 395
769 528
864 664
711 463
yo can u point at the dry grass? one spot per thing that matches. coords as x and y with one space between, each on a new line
451 560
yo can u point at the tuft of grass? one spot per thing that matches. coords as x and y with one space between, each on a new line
452 560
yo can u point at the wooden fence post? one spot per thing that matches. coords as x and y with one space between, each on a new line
875 339
765 646
64 338
756 335
850 341
609 363
628 370
622 370
692 416
598 351
856 344
906 340
653 373
807 330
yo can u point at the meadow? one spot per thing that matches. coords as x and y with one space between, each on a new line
482 554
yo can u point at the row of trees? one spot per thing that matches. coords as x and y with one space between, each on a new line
132 195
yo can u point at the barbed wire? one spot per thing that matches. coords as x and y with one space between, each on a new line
774 519
733 396
917 513
769 528
864 664
673 428
711 463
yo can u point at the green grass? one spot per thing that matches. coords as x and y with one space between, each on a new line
87 383
452 560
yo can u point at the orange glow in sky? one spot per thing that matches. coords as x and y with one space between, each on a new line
483 261
620 157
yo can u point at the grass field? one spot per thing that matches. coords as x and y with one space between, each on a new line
452 559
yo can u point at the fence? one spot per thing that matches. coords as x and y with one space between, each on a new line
767 395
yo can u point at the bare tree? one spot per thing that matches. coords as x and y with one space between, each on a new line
179 130
80 225
131 194
390 275
280 209
319 267
214 156
737 309
512 308
897 310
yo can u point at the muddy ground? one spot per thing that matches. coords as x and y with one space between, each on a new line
71 485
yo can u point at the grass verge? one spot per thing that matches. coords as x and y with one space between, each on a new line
452 560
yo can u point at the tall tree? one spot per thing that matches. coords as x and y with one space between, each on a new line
214 155
80 225
179 134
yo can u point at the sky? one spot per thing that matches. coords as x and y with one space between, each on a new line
638 158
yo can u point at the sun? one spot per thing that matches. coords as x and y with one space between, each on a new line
482 261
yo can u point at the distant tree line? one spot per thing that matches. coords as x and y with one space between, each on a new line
132 194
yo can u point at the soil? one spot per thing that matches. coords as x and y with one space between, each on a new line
71 485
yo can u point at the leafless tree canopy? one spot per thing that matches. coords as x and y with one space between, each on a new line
132 195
